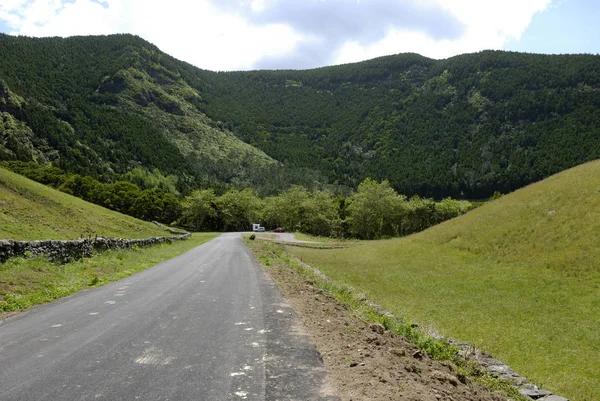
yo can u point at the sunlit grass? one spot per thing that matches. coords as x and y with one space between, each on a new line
29 210
276 261
27 282
518 277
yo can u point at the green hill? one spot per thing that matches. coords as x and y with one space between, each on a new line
465 126
104 105
32 211
518 277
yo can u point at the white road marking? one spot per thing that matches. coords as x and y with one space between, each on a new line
56 325
110 302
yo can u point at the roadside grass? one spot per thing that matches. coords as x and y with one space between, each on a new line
275 255
518 278
32 211
327 240
25 282
307 237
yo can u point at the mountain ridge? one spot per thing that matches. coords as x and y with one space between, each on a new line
464 126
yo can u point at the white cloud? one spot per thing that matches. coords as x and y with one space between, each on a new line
219 38
9 11
192 31
489 24
83 17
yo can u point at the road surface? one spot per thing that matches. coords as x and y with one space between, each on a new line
206 325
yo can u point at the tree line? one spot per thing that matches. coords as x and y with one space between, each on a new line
374 210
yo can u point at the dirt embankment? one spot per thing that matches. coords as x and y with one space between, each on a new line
363 361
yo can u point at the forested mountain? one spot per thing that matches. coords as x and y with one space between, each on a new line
104 105
465 126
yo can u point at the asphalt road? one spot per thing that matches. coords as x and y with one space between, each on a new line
206 325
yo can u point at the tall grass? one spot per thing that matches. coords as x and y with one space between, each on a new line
518 277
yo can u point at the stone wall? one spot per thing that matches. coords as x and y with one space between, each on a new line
64 251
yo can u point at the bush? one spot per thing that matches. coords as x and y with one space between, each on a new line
252 237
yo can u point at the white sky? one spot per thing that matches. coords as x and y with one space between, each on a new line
247 34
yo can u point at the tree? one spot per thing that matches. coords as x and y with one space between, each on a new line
320 214
375 210
238 209
420 214
199 210
450 208
285 210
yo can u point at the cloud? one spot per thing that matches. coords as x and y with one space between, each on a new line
489 24
246 34
328 25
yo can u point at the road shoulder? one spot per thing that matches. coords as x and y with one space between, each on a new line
361 363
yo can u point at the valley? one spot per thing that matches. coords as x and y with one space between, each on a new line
461 194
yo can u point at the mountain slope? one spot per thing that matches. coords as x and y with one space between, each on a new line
465 126
32 211
103 104
518 277
471 124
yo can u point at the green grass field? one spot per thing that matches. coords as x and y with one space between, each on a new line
29 210
518 277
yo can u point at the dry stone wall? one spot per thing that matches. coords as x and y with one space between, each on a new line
64 251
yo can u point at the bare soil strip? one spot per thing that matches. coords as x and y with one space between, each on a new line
363 361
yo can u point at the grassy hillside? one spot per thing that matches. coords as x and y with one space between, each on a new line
29 210
518 277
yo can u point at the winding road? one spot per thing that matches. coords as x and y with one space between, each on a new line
206 325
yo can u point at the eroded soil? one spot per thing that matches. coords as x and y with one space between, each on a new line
363 364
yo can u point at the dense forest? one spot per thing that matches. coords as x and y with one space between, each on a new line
373 211
464 127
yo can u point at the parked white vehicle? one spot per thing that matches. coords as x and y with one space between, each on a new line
257 228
